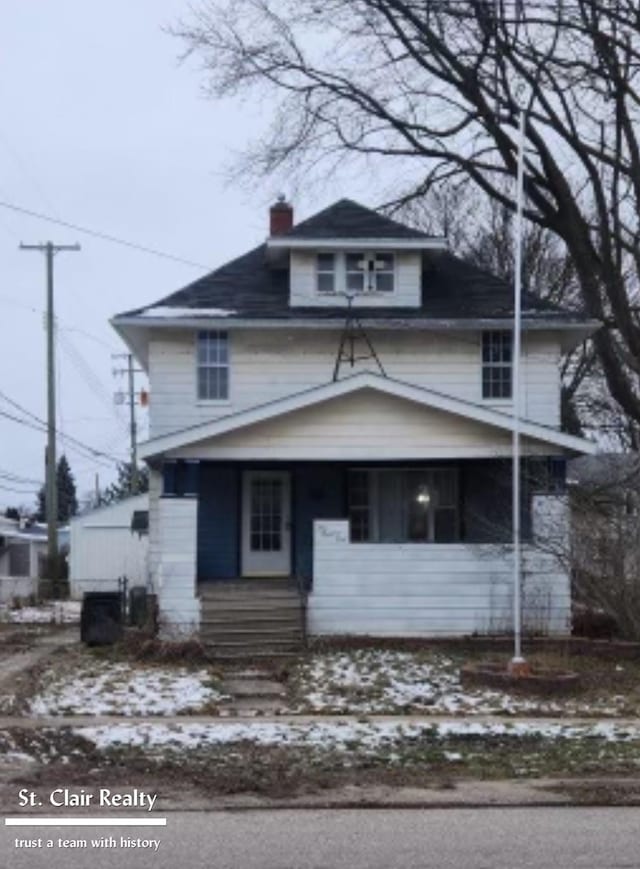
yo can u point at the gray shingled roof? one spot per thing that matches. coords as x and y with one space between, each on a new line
349 219
256 287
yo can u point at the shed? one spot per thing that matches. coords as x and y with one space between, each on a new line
106 544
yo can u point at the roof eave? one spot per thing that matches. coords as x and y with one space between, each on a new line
366 242
533 323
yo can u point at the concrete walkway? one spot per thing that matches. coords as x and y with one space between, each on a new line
34 722
23 659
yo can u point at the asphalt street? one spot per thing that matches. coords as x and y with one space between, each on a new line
523 838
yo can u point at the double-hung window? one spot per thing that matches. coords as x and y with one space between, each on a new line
369 272
497 364
213 366
326 272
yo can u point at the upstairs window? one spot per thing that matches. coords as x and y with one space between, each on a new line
326 272
497 364
213 366
369 272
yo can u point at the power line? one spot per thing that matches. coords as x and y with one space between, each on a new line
16 478
102 235
18 491
39 425
84 451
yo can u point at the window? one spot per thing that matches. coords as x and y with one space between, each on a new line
266 515
326 272
359 505
404 506
213 366
180 478
369 272
496 365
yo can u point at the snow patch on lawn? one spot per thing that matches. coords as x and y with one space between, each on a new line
362 737
371 681
58 612
120 689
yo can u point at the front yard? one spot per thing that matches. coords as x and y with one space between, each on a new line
355 682
433 733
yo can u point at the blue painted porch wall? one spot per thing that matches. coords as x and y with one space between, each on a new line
319 493
218 522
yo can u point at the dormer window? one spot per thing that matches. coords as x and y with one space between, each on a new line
369 272
326 272
355 272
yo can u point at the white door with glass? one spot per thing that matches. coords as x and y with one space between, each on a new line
266 523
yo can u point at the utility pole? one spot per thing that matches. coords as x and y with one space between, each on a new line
50 250
132 426
131 371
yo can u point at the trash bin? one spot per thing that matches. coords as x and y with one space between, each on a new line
101 618
138 606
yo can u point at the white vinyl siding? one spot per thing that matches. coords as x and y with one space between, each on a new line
272 364
366 425
430 590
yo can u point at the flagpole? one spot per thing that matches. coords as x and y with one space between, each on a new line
518 663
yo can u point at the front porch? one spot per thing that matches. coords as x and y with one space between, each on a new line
395 549
257 520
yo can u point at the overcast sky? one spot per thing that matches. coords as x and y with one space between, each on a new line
101 126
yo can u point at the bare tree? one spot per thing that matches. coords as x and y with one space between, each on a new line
605 539
437 85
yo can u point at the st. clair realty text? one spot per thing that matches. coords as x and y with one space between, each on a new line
103 797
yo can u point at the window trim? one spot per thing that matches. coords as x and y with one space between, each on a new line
209 402
490 365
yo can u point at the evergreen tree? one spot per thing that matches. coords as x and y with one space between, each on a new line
67 498
12 513
122 486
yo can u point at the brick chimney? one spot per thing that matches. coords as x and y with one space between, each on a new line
280 217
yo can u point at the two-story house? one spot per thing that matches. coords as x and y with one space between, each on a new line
330 421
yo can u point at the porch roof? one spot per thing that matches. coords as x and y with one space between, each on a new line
427 398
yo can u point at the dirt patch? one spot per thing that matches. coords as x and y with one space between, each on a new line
544 682
599 791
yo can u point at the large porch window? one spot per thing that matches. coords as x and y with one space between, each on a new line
404 505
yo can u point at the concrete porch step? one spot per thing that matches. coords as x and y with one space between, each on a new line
251 599
256 688
270 642
233 656
249 619
251 624
253 638
250 606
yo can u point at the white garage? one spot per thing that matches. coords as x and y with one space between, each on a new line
105 546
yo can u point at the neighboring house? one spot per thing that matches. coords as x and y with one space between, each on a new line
23 549
109 543
381 490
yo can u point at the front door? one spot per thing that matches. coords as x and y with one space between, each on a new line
266 523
